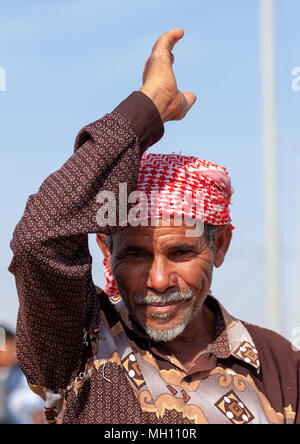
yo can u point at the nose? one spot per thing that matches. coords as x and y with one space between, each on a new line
161 277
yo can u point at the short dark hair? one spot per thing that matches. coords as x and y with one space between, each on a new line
210 232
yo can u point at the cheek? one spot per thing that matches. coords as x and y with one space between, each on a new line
129 276
196 274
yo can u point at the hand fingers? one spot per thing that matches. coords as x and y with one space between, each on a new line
190 99
163 47
166 42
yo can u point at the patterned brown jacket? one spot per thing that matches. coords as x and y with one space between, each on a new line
77 347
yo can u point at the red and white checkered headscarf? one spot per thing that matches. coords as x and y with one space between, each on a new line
176 185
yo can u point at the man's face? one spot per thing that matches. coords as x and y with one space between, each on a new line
163 277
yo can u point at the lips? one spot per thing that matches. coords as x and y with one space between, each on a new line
163 307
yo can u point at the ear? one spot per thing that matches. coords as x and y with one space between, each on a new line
222 244
102 244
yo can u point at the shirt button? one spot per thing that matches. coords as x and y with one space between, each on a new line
188 379
131 373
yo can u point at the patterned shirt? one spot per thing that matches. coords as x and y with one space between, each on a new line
80 350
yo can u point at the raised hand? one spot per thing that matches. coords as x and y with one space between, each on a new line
159 82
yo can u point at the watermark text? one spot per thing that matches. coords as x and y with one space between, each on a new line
2 79
296 339
296 80
151 210
2 339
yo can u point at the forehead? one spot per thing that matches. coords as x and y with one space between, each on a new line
155 236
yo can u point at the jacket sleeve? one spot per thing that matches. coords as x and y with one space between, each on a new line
51 260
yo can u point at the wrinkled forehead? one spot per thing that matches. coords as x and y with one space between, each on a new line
158 234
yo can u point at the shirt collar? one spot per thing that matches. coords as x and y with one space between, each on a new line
232 337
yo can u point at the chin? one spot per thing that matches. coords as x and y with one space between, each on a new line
161 331
166 335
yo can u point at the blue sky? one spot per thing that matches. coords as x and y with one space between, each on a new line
70 62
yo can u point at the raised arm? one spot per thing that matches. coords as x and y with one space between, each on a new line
51 262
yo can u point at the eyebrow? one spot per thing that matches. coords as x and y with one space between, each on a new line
174 247
131 248
183 246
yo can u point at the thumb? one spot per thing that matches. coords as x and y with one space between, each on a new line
190 99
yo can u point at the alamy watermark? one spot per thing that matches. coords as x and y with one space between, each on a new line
296 80
296 339
2 79
2 339
159 207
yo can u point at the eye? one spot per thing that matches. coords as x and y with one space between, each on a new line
133 254
182 253
136 254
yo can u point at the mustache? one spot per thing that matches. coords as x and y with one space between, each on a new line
141 299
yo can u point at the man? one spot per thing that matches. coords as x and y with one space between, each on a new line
155 347
18 405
